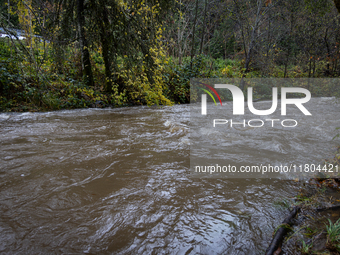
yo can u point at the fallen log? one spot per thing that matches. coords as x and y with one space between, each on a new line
333 207
281 232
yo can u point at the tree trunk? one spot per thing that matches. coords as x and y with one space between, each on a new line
335 65
328 72
85 55
337 4
179 46
286 64
193 36
105 40
250 51
253 36
204 24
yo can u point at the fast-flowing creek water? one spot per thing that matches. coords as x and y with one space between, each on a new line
116 181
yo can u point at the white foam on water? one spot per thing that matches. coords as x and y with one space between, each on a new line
167 123
4 116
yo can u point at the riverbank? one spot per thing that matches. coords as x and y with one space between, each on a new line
316 228
47 85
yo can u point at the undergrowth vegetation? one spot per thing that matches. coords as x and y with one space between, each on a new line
48 85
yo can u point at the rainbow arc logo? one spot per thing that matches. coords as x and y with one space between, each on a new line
208 92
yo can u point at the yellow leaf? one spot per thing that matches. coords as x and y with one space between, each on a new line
268 2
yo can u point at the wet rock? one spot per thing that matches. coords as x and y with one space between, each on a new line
86 97
319 243
98 104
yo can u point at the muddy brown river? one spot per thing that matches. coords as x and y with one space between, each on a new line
117 181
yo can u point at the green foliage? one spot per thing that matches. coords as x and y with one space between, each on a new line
54 85
310 232
305 249
10 78
318 6
284 203
283 225
177 79
333 235
22 88
138 89
223 44
13 16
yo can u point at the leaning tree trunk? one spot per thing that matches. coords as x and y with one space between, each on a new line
85 55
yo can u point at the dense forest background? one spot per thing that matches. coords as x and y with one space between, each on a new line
94 53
